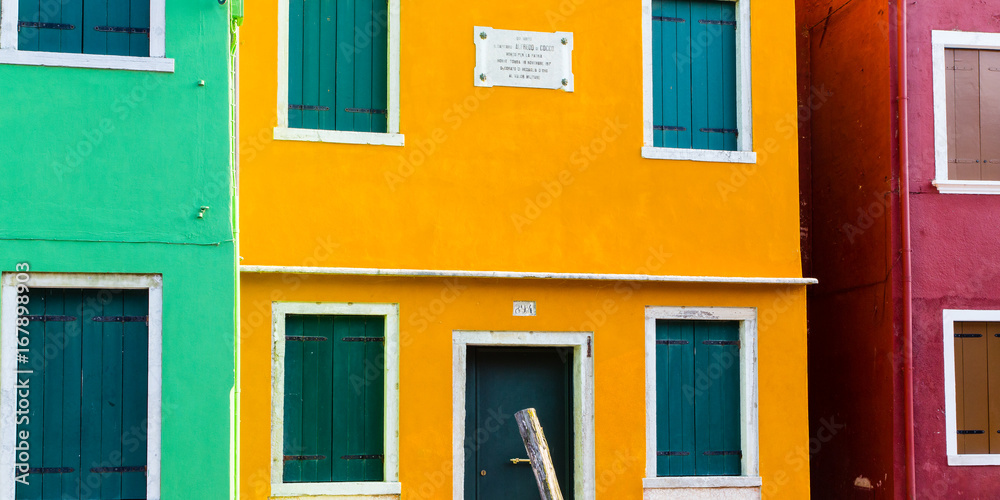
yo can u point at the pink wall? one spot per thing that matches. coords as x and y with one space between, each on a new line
956 254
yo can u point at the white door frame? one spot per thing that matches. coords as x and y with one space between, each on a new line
583 400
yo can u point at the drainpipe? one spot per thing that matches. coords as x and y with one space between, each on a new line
904 209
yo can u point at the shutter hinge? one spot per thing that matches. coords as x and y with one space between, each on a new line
725 23
362 457
122 29
672 342
299 338
303 107
718 453
105 470
670 19
363 339
119 319
722 342
366 110
672 453
44 26
972 432
968 335
670 128
289 458
39 317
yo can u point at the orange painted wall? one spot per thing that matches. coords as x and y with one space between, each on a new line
455 209
463 193
614 313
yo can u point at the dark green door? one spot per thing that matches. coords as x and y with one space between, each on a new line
502 381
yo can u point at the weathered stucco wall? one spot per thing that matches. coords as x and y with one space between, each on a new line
845 106
955 265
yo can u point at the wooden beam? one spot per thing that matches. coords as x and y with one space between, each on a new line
538 453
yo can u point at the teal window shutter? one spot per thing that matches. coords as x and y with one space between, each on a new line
109 27
88 356
338 65
698 398
694 74
334 398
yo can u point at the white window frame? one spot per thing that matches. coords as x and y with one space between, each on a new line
391 137
747 317
950 316
584 476
355 490
8 349
157 60
744 107
941 40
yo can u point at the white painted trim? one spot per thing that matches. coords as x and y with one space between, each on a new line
941 40
699 155
362 271
94 61
950 316
391 485
963 187
337 136
583 401
747 316
155 62
744 108
8 347
8 25
283 132
651 483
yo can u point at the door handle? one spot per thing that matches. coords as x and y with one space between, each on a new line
516 461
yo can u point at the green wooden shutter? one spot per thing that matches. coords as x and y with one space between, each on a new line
334 398
88 394
694 74
338 65
698 398
112 27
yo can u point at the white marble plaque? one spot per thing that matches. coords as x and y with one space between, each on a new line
524 59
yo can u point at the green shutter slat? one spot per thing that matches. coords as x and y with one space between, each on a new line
341 397
717 416
355 398
380 65
699 76
310 62
346 57
139 18
48 39
293 444
71 41
36 334
328 65
363 65
295 71
310 397
52 422
681 64
729 76
374 386
111 402
118 16
713 74
674 403
95 13
324 407
72 372
27 38
90 420
135 357
660 51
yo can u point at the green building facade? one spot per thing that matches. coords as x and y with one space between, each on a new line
118 250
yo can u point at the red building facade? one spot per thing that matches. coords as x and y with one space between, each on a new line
901 225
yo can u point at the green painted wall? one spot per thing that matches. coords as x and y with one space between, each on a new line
105 171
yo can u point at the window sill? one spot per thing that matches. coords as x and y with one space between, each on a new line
354 490
973 460
93 61
699 155
966 187
337 136
651 483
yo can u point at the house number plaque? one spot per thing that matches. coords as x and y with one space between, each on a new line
524 59
524 308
